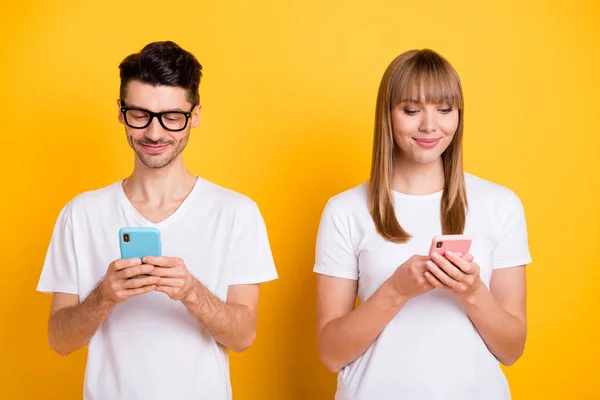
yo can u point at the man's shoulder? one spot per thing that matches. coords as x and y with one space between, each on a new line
223 197
94 199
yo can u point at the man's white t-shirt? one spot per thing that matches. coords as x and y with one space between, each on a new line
430 350
151 347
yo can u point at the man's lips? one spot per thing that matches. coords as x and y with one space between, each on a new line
154 148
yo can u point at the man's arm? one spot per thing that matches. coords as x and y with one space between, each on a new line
231 323
72 324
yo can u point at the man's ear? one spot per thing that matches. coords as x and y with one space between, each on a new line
120 116
195 117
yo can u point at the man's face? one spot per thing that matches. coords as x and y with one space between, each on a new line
155 146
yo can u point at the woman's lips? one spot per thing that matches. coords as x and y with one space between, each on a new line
427 143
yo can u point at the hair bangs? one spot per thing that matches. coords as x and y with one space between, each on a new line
428 79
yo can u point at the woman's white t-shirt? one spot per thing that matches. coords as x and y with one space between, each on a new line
152 347
430 350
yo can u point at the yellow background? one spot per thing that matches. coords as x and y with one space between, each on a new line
288 103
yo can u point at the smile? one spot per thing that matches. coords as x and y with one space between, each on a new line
154 149
427 143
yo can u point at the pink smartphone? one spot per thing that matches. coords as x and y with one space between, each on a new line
455 243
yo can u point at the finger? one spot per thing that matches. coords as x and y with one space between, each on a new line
434 281
161 261
133 271
448 267
123 263
169 291
422 281
172 282
166 272
464 265
136 292
468 257
440 275
135 283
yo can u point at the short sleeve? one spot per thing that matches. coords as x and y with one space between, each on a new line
252 260
59 273
511 245
335 254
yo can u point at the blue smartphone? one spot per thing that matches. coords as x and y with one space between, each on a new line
139 242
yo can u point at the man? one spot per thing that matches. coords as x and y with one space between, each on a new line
159 327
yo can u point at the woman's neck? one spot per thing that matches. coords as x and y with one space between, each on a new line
416 179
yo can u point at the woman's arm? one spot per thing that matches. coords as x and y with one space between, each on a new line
345 332
498 313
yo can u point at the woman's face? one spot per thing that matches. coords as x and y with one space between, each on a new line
423 131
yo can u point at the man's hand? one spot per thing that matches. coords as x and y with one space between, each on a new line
174 279
121 281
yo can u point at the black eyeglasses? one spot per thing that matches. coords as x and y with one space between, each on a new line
138 118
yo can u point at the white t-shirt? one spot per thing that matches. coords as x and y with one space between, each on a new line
430 350
151 347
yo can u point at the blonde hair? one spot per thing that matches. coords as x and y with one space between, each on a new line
424 76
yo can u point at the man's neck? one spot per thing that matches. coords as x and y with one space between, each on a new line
157 186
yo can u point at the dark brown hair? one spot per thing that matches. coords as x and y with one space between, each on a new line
163 63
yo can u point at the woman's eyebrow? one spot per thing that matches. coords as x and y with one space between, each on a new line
410 101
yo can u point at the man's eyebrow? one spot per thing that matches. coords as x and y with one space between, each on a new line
163 110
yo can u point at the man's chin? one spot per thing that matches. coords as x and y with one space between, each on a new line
155 161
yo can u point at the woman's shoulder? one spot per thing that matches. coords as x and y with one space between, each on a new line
352 200
477 186
491 196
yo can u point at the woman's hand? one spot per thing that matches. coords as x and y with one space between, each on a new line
409 281
455 273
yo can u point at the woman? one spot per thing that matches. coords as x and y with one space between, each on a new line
426 328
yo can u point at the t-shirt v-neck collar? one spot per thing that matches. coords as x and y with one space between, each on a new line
140 219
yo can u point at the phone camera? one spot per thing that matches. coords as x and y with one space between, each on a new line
126 237
438 245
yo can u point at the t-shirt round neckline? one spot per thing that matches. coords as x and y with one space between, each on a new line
143 221
417 197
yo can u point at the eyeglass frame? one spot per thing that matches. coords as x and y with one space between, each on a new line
158 116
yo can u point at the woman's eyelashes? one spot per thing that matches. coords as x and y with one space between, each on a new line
414 111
